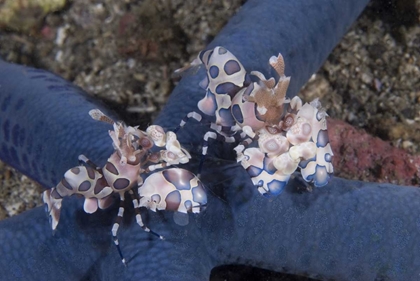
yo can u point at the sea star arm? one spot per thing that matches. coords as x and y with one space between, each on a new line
347 230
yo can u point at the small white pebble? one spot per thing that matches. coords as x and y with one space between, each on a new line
407 144
99 9
59 56
61 35
131 63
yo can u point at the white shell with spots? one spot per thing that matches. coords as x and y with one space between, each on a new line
287 140
173 189
123 169
288 134
225 77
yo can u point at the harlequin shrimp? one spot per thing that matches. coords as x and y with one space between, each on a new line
301 141
225 77
289 135
277 134
173 189
179 190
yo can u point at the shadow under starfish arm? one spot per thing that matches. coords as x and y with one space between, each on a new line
345 231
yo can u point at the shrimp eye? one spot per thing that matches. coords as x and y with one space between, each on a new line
156 198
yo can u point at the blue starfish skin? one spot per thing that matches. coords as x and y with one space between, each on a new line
347 230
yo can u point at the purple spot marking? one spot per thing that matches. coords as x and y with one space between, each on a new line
181 180
90 172
268 166
227 117
322 139
66 184
225 88
214 71
111 168
231 67
237 113
54 194
199 194
173 200
222 51
304 163
253 171
100 184
121 183
276 187
84 186
328 157
75 170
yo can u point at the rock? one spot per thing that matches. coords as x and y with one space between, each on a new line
24 16
359 155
